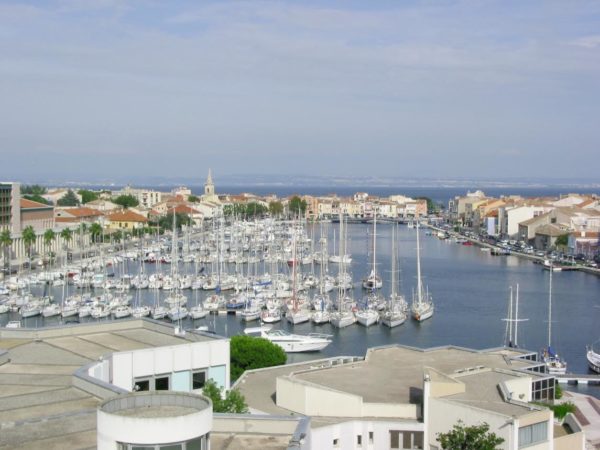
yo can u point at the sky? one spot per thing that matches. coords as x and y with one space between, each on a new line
105 88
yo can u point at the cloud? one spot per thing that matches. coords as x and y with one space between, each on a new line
587 41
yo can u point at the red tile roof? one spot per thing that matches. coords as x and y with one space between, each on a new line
126 216
83 212
30 204
183 209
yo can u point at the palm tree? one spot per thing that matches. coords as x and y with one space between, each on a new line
95 231
6 243
66 235
29 238
49 236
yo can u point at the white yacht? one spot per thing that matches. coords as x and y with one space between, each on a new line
293 343
593 359
51 310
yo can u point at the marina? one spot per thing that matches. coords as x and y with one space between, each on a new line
469 288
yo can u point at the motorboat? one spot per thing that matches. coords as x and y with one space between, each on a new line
292 343
140 311
593 359
121 311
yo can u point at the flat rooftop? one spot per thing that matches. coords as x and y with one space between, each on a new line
39 406
387 375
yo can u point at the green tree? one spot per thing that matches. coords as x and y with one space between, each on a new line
562 240
34 193
6 243
276 208
66 235
232 402
33 189
247 352
69 199
117 236
166 222
87 195
474 437
95 231
36 198
29 237
126 201
49 236
193 199
297 205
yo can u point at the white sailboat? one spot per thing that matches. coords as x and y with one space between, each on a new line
555 365
422 305
395 312
297 314
373 281
343 317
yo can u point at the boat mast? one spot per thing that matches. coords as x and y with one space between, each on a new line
550 307
375 248
394 261
419 282
517 318
510 321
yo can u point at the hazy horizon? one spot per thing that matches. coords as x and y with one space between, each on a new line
122 90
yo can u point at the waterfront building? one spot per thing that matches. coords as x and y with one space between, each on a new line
10 201
76 215
37 215
509 217
585 243
196 216
147 198
399 397
125 220
103 205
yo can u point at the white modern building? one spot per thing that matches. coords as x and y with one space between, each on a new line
400 398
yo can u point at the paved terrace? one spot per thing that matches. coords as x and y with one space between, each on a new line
39 407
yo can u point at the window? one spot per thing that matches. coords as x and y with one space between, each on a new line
141 385
370 437
394 439
198 380
532 434
161 383
336 442
359 440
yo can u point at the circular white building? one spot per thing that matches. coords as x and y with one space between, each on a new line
155 421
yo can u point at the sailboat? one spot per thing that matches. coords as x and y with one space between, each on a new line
422 305
395 311
373 281
511 339
296 315
343 317
555 365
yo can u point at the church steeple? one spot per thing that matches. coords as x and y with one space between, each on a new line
209 187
